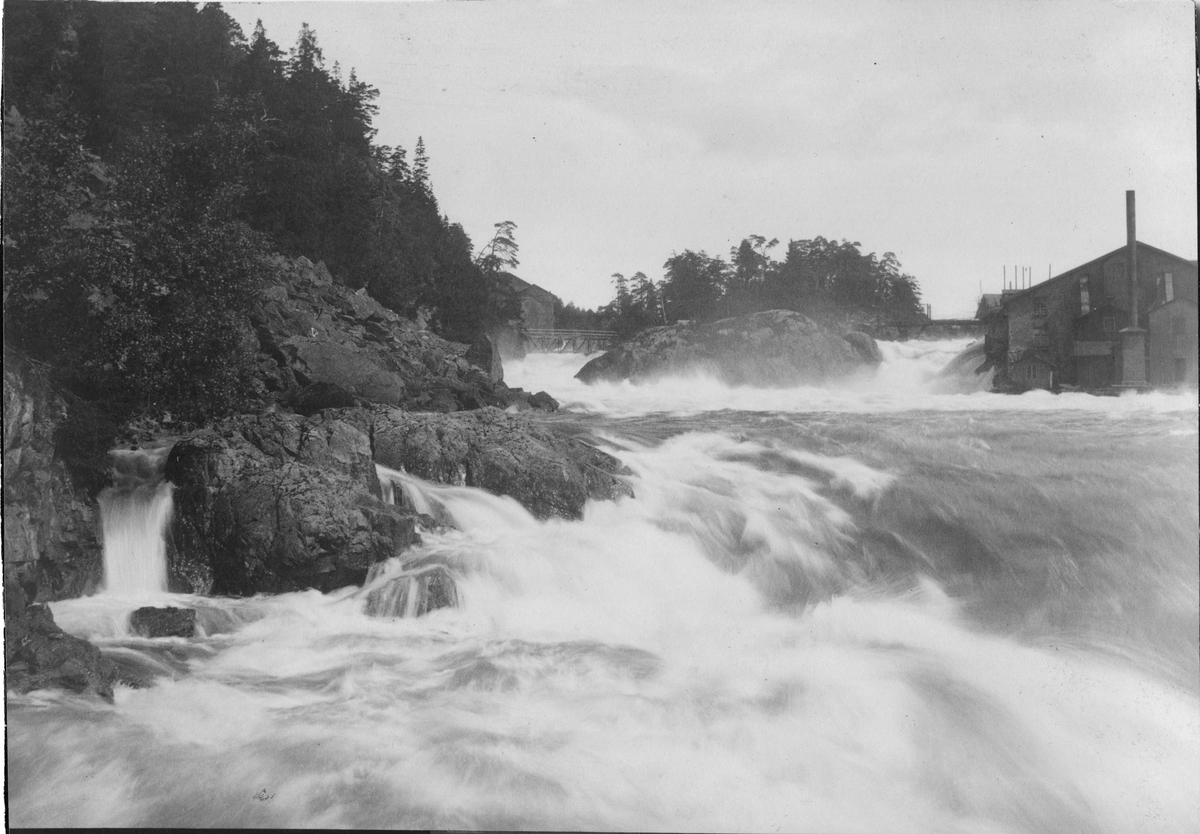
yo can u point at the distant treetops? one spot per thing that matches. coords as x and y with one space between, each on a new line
819 277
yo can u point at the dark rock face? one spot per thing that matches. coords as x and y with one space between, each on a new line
772 348
278 502
548 473
38 654
543 401
50 524
319 396
314 333
485 355
163 622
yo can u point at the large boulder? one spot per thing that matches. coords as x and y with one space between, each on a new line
549 473
772 348
278 502
163 622
485 355
313 333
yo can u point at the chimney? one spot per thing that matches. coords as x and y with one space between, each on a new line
1133 338
1131 242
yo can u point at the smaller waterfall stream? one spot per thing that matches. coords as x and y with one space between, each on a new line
134 514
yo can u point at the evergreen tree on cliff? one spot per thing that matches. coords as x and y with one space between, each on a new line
156 136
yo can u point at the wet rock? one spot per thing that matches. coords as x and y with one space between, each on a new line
40 655
543 401
772 348
279 503
163 622
549 473
414 593
865 345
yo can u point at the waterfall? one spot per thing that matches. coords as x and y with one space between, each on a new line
405 588
134 513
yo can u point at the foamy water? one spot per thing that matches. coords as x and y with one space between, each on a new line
882 617
909 378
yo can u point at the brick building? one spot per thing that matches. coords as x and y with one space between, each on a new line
1072 321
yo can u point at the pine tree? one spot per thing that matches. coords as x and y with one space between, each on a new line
420 168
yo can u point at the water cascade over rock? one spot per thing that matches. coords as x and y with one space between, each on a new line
134 512
772 348
868 607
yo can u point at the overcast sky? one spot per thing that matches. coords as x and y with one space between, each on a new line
960 135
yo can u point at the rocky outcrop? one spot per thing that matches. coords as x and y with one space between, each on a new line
278 502
550 474
485 355
313 333
50 524
163 622
38 654
772 348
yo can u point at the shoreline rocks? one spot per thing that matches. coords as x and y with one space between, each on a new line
278 502
550 474
38 654
770 349
286 498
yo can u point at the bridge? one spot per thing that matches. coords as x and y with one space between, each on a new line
567 341
931 329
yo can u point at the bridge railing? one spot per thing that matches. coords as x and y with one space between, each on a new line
557 333
568 341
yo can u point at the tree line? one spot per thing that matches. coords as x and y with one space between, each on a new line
155 158
821 278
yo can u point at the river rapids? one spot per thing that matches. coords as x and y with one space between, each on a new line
899 604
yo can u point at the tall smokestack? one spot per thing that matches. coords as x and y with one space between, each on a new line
1131 242
1133 338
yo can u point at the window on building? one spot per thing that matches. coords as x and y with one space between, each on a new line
1030 371
1168 287
1039 307
1084 306
1110 325
1041 338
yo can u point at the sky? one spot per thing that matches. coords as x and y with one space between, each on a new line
969 138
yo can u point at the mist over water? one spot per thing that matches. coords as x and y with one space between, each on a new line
902 604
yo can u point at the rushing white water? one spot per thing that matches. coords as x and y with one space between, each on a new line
134 514
909 378
880 617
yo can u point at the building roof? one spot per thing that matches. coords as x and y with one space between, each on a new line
523 287
1029 292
